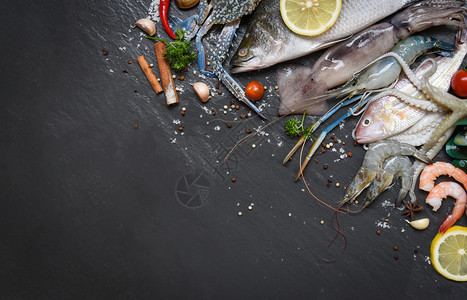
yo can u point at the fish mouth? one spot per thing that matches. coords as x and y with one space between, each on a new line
246 65
241 69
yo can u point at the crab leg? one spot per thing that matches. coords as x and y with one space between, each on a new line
220 55
317 123
321 137
191 25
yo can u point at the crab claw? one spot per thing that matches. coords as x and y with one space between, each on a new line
189 26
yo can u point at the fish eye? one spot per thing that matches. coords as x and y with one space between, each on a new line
366 122
243 52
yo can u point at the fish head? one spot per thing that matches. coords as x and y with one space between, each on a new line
258 49
375 124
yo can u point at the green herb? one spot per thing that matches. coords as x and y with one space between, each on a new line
177 51
294 128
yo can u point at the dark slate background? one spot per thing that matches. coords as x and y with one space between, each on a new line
94 208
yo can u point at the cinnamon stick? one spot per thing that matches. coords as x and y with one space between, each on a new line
149 74
171 96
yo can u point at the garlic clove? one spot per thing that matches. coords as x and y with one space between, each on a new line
201 90
420 224
186 4
147 26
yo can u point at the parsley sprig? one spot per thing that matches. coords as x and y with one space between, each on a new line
294 128
177 51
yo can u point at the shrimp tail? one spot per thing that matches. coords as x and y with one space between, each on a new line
448 222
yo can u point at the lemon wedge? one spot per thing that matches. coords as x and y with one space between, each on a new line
449 253
310 17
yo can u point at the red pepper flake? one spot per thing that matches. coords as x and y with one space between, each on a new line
333 137
219 92
343 143
180 128
328 185
232 102
234 179
213 111
378 232
355 143
124 71
242 116
182 112
136 125
323 144
135 90
229 125
335 140
105 52
329 180
396 257
130 62
325 166
316 161
249 130
396 248
181 77
349 154
237 107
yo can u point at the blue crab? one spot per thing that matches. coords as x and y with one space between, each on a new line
228 12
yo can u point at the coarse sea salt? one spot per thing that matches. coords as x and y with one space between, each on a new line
383 224
153 12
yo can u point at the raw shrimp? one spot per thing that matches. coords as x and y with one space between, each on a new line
443 190
431 172
374 158
394 167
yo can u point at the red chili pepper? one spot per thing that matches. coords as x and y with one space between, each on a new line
163 10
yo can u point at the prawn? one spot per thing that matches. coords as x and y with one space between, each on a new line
431 172
373 161
443 190
393 168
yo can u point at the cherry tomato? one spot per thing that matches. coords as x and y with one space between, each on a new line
459 83
254 90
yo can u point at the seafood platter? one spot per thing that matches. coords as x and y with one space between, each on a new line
243 153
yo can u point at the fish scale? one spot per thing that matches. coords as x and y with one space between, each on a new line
269 41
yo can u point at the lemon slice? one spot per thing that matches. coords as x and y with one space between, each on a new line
310 17
449 253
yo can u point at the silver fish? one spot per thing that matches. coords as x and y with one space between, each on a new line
389 116
268 41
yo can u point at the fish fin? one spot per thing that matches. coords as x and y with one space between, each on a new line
331 43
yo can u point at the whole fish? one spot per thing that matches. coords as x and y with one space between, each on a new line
389 116
301 87
269 41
